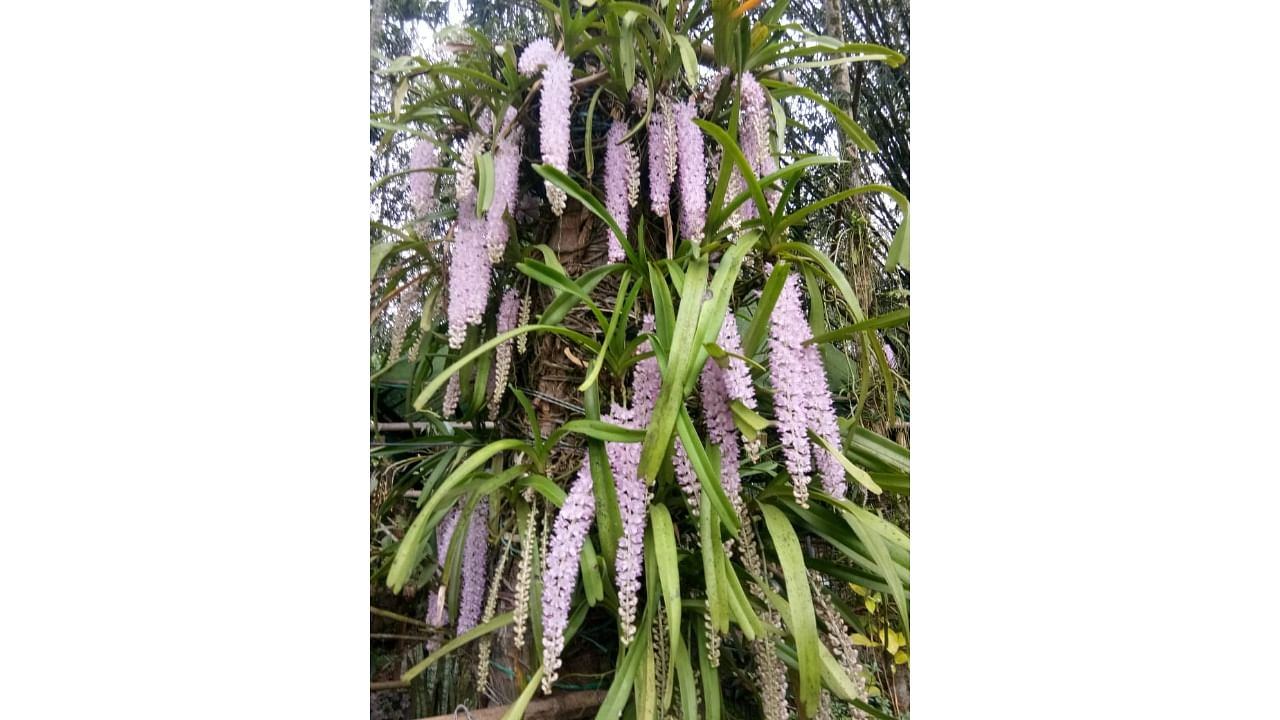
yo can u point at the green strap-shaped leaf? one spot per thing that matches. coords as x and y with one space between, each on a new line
707 470
620 690
484 183
900 250
688 690
759 326
734 153
620 310
856 517
709 539
608 516
589 201
850 469
414 543
714 310
667 560
439 380
598 429
834 275
710 676
592 584
516 711
890 319
867 444
801 620
466 637
671 396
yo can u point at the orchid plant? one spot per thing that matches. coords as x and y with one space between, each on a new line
719 497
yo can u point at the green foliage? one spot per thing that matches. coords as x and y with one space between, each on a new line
695 578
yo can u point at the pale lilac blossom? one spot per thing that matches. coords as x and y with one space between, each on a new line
557 73
632 492
452 393
508 310
693 172
802 398
560 576
620 166
474 564
422 182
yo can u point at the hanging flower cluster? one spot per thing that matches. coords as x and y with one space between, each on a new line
478 241
507 311
621 184
522 320
754 119
452 393
662 157
444 535
560 575
633 494
422 183
473 567
686 477
557 73
524 575
802 398
720 387
693 172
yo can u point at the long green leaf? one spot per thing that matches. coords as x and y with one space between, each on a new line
855 516
834 275
754 336
414 542
620 310
608 516
801 620
620 690
589 201
439 380
708 472
710 676
709 539
900 250
671 396
734 153
597 429
667 559
887 320
714 310
852 470
466 637
516 711
688 690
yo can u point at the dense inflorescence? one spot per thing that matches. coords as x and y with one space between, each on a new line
802 398
524 575
633 494
621 183
686 477
560 575
480 240
693 172
474 564
422 183
444 535
557 74
662 157
490 607
452 393
787 329
507 312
